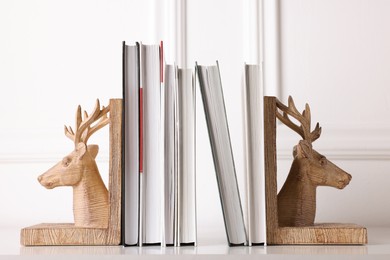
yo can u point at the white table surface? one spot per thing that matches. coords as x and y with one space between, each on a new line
377 248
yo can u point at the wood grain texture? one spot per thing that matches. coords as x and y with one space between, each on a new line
70 234
326 233
297 200
79 170
62 234
270 167
115 180
332 233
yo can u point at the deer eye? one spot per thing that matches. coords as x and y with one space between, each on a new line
323 161
66 161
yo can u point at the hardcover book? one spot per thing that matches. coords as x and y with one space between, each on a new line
214 107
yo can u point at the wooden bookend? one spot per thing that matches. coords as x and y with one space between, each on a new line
97 211
291 221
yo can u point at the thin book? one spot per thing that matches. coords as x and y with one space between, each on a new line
179 167
253 154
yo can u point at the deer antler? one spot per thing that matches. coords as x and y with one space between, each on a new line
305 119
83 128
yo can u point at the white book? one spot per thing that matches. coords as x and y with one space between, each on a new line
186 158
179 175
170 162
151 175
214 107
131 85
253 152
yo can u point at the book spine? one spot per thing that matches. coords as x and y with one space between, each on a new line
253 114
151 124
123 215
215 112
186 158
131 73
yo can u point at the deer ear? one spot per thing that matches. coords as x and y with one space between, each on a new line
303 149
81 149
295 151
93 149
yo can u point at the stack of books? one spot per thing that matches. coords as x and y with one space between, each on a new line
159 205
159 163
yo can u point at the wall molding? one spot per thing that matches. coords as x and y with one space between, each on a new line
46 145
252 31
361 143
371 154
37 158
175 28
351 142
271 50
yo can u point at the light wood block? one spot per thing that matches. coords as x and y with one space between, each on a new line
318 233
68 234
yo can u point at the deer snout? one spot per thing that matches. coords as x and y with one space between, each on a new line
348 178
41 179
345 180
45 182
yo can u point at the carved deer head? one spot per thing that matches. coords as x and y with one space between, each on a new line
79 170
321 172
68 172
297 198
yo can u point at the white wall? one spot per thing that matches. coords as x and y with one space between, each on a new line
335 56
55 55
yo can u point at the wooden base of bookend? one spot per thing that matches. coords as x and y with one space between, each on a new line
316 234
68 234
324 233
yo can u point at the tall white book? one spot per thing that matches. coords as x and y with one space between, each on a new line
186 150
214 107
179 170
143 156
131 198
253 153
151 145
170 158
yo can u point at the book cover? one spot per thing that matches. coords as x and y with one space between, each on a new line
253 153
214 107
131 88
151 175
186 107
179 170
